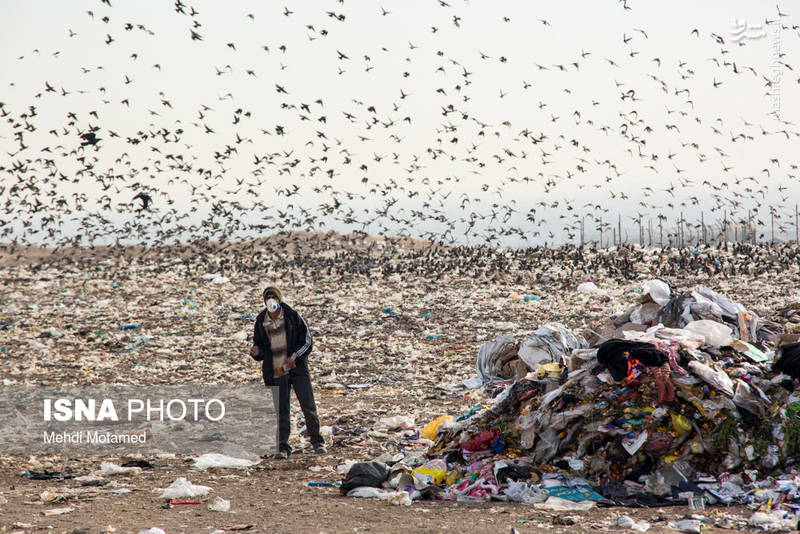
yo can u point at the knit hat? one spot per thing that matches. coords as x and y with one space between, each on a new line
272 290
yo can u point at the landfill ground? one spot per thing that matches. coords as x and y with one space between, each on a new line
62 315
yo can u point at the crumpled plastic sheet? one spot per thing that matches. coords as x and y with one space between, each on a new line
551 342
483 363
183 488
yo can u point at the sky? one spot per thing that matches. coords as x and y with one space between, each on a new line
472 122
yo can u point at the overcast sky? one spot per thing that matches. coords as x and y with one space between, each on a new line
411 117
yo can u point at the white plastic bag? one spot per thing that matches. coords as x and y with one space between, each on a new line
344 468
588 287
691 526
520 491
557 504
775 520
715 334
183 488
658 291
220 505
717 378
110 468
395 497
397 421
213 459
626 522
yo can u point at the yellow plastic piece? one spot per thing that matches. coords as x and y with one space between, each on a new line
680 423
429 430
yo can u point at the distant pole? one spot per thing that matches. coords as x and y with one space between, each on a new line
615 236
582 221
735 233
601 235
661 232
641 233
703 224
680 232
649 232
796 226
619 229
725 226
750 226
772 224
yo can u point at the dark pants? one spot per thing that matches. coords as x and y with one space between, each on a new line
300 381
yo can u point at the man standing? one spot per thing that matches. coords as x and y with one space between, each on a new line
282 343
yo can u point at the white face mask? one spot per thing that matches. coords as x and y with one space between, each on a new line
272 305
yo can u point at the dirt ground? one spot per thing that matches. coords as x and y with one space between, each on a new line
274 497
406 365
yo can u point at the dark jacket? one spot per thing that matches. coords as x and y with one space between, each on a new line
298 344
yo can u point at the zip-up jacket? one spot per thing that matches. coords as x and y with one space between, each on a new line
298 343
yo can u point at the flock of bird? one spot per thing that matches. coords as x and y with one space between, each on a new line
446 136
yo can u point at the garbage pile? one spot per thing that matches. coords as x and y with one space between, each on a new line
687 397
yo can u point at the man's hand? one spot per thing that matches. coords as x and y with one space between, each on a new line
290 364
254 351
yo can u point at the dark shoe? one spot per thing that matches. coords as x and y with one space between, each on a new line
282 455
320 449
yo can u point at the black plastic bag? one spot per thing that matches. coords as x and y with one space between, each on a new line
371 474
789 362
612 355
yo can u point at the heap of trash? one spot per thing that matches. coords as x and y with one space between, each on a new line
686 398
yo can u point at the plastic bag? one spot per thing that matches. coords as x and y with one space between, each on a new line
395 497
715 334
183 488
775 520
658 290
520 491
557 504
424 477
429 430
684 338
220 505
626 522
397 421
691 526
550 343
365 474
748 399
716 378
549 370
214 459
587 287
110 468
680 423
